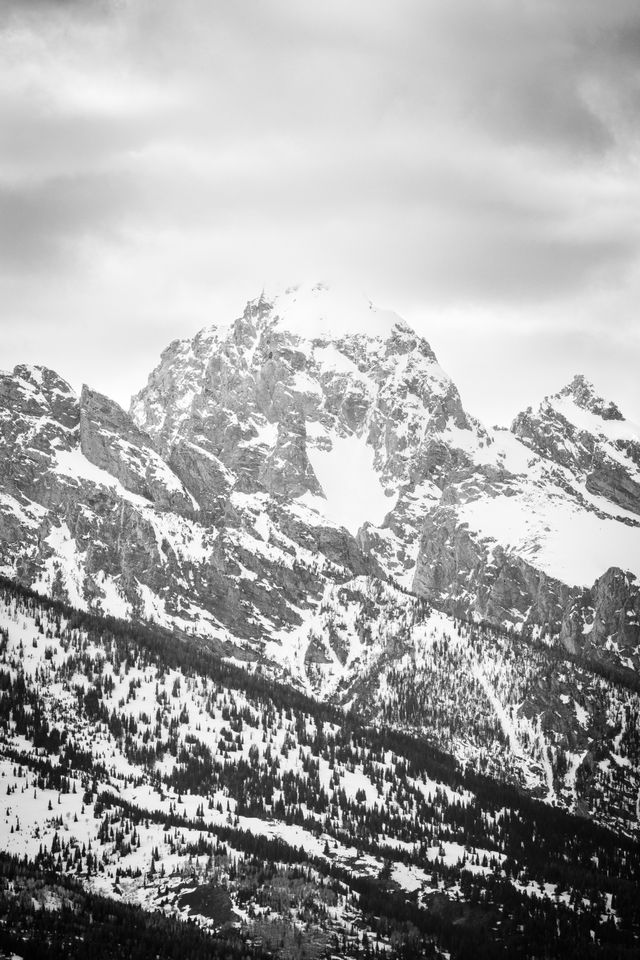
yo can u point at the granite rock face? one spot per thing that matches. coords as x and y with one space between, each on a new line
589 436
110 440
312 440
457 572
302 489
91 513
204 476
287 472
604 621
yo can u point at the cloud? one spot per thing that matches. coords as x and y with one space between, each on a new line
163 160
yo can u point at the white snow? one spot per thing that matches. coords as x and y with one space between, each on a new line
350 484
302 383
70 563
262 526
586 420
410 878
582 715
22 512
113 601
330 358
555 535
267 436
317 311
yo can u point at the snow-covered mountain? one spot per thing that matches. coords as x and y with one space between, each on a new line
328 403
151 773
314 439
450 611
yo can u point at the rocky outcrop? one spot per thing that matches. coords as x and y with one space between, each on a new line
32 391
93 514
584 395
476 580
110 440
589 436
204 476
603 622
272 395
612 480
286 472
217 505
238 391
466 577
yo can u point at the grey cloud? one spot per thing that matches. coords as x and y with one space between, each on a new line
42 224
444 151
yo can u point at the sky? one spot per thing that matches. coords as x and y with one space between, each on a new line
472 166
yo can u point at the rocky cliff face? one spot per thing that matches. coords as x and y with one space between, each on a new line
110 440
538 521
604 622
313 440
589 437
466 576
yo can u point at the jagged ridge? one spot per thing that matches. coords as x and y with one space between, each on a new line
312 441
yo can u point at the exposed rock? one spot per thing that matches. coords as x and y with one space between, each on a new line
610 479
204 508
589 436
583 393
287 471
110 440
604 622
203 475
472 579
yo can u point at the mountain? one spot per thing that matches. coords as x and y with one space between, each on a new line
484 523
314 439
299 507
590 437
141 771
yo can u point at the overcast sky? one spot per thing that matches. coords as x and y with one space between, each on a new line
471 165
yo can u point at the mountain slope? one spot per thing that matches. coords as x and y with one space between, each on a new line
374 677
159 775
482 522
315 446
591 438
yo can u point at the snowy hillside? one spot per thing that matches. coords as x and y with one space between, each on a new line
373 686
313 440
157 775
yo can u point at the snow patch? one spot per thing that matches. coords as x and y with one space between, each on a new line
554 535
350 484
314 312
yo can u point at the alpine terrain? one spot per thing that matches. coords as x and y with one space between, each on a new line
298 649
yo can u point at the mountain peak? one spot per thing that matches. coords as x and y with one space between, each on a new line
39 378
583 393
38 391
320 310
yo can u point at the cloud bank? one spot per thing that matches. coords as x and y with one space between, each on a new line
472 166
